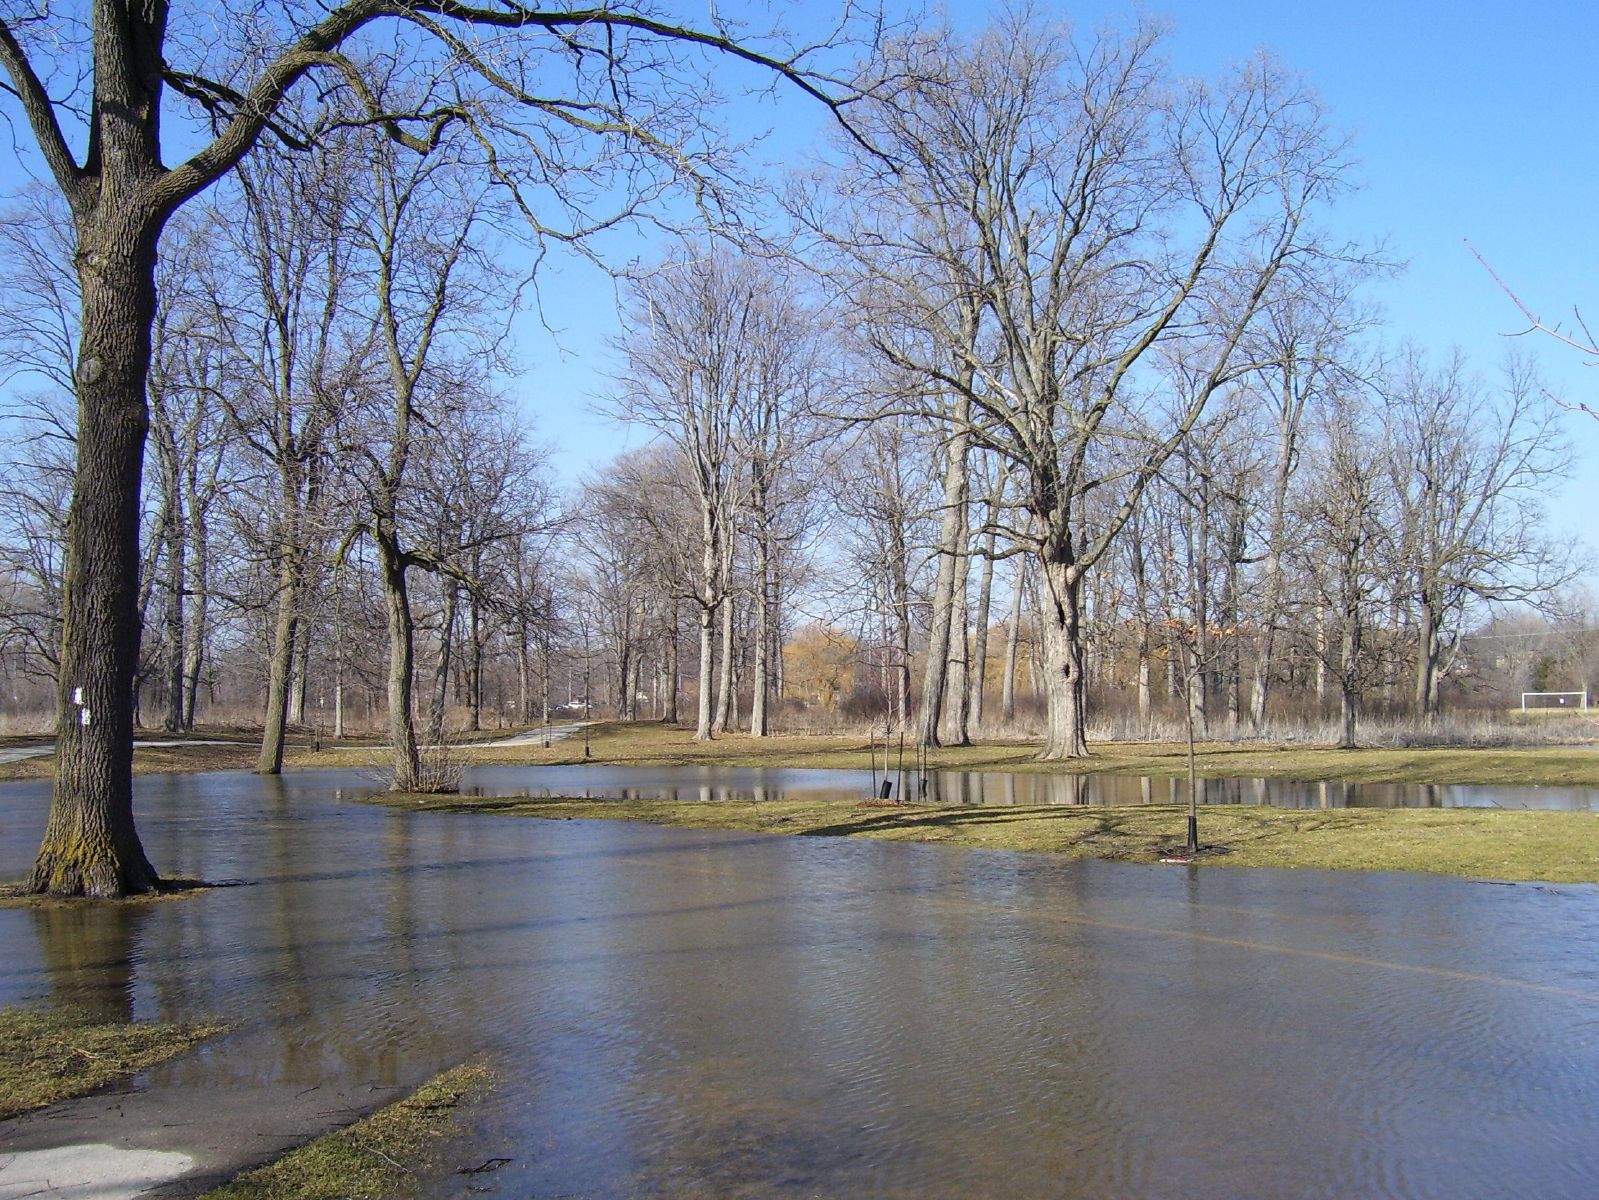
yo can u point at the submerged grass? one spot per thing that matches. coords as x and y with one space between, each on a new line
50 1055
1558 847
379 1156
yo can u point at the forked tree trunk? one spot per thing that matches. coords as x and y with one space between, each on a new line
90 846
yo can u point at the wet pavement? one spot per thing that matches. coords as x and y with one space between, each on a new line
694 1012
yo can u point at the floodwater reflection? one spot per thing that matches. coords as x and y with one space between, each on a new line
696 1012
691 785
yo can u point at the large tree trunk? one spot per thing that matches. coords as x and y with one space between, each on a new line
1066 723
90 846
935 677
1429 650
1348 710
402 637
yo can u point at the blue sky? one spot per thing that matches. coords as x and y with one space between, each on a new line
1469 121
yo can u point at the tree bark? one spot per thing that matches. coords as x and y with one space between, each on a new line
197 628
761 686
402 638
90 846
724 678
958 696
284 635
1066 727
439 695
1007 695
1429 650
703 731
985 599
674 667
936 674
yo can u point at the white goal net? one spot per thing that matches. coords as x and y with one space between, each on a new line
1573 700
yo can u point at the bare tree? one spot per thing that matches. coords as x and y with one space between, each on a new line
702 371
283 303
1470 471
1346 509
1101 212
568 107
1304 343
433 290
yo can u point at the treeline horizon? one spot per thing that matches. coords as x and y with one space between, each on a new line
1049 394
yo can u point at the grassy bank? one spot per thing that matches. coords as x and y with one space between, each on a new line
197 756
650 744
50 1055
378 1156
1560 847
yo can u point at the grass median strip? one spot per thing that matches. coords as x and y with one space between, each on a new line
50 1055
378 1156
1557 847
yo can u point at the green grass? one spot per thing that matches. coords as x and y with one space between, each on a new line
1559 847
50 1055
378 1156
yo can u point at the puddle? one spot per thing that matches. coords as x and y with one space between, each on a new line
700 1012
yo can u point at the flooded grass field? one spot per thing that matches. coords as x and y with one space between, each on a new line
711 784
696 1012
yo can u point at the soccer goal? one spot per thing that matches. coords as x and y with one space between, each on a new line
1573 700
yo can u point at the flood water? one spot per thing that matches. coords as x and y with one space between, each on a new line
700 1013
714 784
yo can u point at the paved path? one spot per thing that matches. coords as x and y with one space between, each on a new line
12 754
